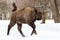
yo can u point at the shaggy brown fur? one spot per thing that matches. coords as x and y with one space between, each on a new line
26 15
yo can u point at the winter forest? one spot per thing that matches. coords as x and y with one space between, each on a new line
47 28
50 8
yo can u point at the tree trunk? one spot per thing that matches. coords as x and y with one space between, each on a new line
54 10
3 16
57 11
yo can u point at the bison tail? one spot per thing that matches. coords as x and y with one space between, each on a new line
15 7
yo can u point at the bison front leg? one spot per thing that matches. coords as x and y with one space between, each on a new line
19 29
33 27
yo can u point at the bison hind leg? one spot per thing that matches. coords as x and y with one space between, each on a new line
19 29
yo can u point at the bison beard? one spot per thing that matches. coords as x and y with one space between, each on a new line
26 15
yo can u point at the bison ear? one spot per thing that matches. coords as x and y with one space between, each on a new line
35 11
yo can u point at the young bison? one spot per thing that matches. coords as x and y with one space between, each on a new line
26 15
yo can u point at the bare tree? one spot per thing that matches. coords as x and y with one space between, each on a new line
3 9
57 11
54 9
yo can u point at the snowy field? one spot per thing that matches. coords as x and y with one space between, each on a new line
47 31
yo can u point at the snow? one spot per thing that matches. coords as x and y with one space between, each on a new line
47 31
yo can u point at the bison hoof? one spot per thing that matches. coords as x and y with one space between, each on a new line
34 32
43 23
7 33
23 35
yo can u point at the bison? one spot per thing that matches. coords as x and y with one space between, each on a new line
26 15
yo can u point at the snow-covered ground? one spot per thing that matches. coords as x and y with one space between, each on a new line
47 31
